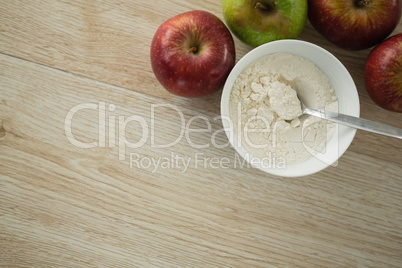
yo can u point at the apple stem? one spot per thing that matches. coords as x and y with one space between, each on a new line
266 7
193 50
259 5
362 3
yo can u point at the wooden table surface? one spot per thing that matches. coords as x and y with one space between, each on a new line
77 95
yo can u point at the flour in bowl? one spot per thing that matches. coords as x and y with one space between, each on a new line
266 112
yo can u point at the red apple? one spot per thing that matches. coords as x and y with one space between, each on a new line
354 24
383 74
192 54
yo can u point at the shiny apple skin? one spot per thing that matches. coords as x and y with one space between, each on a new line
354 27
256 22
383 74
180 70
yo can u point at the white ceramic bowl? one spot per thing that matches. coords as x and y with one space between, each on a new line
342 83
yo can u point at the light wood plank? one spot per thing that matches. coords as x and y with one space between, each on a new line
62 206
107 40
66 206
110 41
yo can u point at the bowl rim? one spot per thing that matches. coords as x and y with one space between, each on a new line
343 135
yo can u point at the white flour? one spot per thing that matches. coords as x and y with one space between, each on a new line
266 112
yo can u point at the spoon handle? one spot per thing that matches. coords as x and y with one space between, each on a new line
356 122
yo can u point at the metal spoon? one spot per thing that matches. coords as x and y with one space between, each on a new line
352 121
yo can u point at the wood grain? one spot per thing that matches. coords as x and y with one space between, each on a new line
65 206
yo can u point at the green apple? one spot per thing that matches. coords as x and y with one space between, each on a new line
256 22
